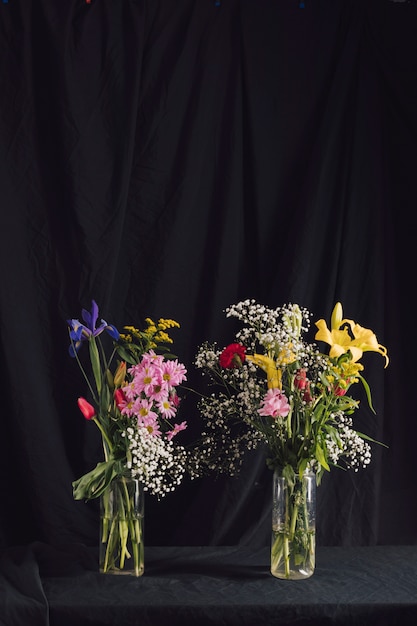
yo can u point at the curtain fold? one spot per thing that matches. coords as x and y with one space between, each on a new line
168 159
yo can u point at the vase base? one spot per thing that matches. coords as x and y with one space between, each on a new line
292 575
122 572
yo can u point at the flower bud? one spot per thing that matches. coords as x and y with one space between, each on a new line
119 398
109 379
86 409
300 379
307 397
120 374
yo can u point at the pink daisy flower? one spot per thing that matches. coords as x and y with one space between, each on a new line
177 428
129 391
150 358
166 408
142 408
159 392
173 373
146 377
152 425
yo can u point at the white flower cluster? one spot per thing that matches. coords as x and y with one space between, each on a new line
271 328
224 441
275 330
350 448
207 356
226 438
155 461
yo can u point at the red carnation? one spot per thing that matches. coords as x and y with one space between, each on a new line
232 356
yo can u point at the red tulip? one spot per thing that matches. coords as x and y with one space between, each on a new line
86 409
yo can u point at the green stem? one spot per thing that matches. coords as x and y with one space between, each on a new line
136 534
84 373
289 429
286 549
123 524
110 545
293 521
124 535
105 437
125 539
105 516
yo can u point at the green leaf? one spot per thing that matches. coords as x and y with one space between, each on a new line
302 467
95 362
125 355
94 483
321 458
368 392
367 438
289 474
105 400
317 413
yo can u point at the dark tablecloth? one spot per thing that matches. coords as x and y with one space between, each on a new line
42 585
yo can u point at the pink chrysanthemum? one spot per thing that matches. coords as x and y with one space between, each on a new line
146 377
158 392
151 423
177 428
151 358
173 373
143 409
166 408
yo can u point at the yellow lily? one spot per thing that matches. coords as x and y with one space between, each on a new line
340 341
267 364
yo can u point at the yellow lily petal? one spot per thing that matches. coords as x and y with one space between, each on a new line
323 333
340 341
267 364
337 316
337 350
366 340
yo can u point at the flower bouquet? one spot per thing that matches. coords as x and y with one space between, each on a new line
133 401
271 387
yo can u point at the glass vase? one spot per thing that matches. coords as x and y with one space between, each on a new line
121 528
293 545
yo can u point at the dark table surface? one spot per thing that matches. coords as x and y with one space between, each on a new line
41 585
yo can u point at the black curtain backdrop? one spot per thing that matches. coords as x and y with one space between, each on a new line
169 158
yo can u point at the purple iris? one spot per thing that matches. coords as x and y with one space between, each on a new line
81 332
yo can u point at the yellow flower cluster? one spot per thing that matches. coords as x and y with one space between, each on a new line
155 333
132 333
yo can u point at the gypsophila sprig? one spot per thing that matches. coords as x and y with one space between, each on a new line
272 387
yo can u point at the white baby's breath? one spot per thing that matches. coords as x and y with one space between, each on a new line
313 426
